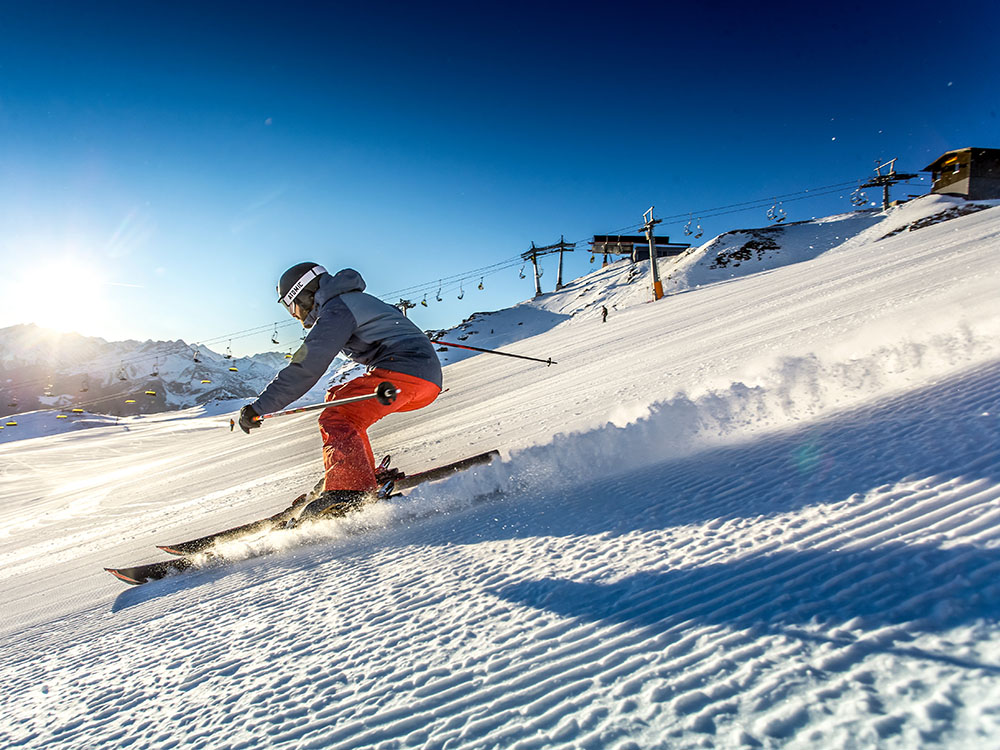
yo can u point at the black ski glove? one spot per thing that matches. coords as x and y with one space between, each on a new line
248 419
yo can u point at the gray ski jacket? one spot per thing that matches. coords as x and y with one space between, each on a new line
366 329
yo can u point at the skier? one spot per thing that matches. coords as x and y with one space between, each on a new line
341 317
232 424
604 314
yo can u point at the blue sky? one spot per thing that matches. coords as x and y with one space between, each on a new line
161 164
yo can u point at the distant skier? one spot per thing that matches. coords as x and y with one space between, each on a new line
604 314
341 317
232 424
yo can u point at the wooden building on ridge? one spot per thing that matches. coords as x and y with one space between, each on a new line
972 173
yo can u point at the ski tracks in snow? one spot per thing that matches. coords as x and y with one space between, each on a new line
830 584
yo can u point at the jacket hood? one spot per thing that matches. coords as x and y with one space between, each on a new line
333 285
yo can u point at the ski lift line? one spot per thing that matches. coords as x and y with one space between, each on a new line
141 360
91 402
770 199
678 219
446 280
746 205
490 269
436 289
738 207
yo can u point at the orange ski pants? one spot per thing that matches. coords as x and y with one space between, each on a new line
347 454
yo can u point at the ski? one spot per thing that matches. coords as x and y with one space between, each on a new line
152 572
279 519
390 479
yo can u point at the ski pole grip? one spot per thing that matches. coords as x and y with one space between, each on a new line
386 392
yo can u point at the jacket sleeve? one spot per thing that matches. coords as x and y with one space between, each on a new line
332 330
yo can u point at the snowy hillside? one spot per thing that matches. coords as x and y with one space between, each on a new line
749 251
760 512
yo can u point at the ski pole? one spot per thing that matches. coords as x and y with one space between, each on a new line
494 351
386 393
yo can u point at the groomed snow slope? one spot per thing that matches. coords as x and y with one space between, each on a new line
759 513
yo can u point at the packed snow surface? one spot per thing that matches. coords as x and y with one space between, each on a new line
760 512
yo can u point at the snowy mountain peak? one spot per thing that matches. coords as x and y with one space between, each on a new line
44 369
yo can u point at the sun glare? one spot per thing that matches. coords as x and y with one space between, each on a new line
65 295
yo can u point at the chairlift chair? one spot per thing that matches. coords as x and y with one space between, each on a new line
461 292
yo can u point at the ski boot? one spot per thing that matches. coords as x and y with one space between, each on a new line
336 503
